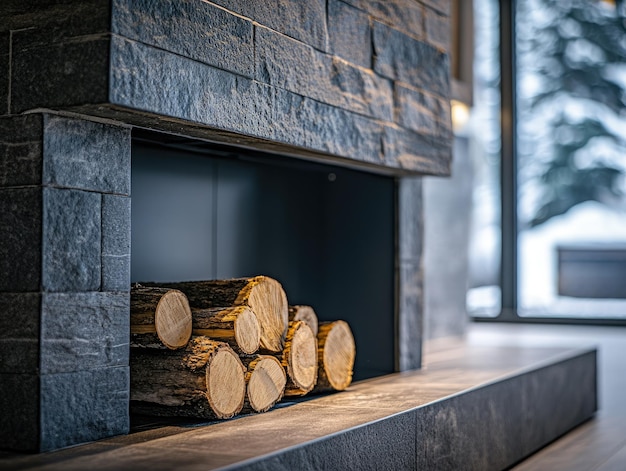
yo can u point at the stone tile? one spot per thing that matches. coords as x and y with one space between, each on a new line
289 64
20 232
115 225
71 240
416 152
19 412
19 332
410 219
115 243
86 155
304 21
422 112
81 331
399 57
405 15
21 150
197 30
442 6
5 61
349 32
181 88
49 22
438 29
410 313
58 75
384 445
82 406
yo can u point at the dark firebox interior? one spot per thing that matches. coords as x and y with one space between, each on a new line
326 233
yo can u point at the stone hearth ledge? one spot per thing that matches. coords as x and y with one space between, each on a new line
470 407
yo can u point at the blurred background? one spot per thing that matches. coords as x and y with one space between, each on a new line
537 221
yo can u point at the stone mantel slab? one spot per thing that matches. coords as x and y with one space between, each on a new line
301 76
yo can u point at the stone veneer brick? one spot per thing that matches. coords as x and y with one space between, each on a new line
305 21
417 63
212 35
349 32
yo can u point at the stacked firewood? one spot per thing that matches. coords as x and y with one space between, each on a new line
213 349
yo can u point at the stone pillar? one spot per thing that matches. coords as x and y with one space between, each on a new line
64 281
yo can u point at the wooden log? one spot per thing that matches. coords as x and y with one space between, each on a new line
205 380
236 325
159 317
264 295
299 358
265 380
305 314
336 353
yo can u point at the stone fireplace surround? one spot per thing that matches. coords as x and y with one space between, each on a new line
361 84
355 83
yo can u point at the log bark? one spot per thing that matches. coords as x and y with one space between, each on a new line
237 325
336 352
159 317
299 358
265 380
205 380
264 295
305 314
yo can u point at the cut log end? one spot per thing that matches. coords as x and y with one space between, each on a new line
267 299
225 383
247 331
301 358
266 383
337 351
172 319
305 314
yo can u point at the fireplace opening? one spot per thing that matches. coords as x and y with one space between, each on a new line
327 233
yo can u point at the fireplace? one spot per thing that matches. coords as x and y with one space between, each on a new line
306 128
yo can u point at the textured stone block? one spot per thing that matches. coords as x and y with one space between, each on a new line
416 152
5 61
385 445
20 150
19 412
438 29
305 21
516 416
405 15
410 312
442 6
289 64
423 112
194 29
317 126
81 331
349 32
71 240
400 57
410 219
20 232
181 88
82 406
115 243
63 74
86 155
19 332
47 22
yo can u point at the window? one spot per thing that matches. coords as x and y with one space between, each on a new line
562 161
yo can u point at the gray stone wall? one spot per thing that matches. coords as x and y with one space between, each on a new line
64 280
363 81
